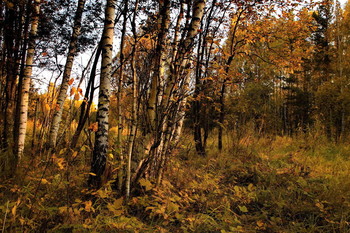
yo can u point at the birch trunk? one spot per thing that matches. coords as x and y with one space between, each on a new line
134 105
21 74
98 163
66 75
133 122
186 52
158 75
12 39
24 101
171 79
155 162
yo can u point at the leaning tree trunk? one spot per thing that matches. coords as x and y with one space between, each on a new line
186 52
66 75
98 163
24 101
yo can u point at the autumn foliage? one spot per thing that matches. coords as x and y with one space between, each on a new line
174 116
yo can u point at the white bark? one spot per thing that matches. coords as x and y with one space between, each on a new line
24 101
66 75
101 139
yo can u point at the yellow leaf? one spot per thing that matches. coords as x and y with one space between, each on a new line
118 212
62 209
47 107
92 174
111 156
60 163
173 207
116 207
88 206
260 223
243 209
22 221
14 210
101 193
118 203
74 154
45 181
146 183
87 226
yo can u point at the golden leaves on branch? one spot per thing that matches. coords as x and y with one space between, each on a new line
77 92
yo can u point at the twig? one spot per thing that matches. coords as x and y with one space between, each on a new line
3 225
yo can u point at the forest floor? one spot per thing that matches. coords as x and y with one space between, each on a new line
279 184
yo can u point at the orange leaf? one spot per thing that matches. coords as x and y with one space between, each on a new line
73 91
88 205
70 82
93 127
47 107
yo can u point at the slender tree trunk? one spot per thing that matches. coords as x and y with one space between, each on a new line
35 123
134 105
155 117
98 163
223 87
133 122
197 102
88 98
171 78
21 76
119 96
12 36
27 80
158 74
221 114
186 52
66 75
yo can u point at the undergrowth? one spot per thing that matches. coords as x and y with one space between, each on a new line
279 184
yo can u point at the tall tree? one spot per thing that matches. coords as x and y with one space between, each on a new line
99 158
66 75
11 58
132 135
27 79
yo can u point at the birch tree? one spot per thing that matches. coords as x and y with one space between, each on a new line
134 105
98 163
27 79
170 106
185 53
12 39
66 75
